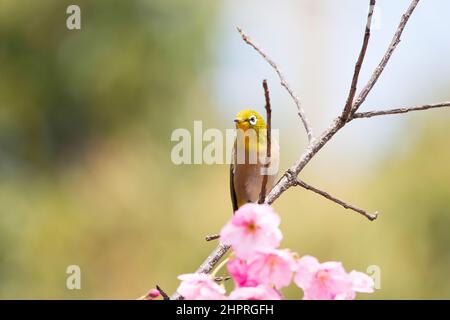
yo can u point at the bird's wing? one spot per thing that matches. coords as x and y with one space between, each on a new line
232 190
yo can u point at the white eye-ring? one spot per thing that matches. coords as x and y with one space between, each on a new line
252 120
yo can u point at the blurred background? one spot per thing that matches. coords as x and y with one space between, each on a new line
86 118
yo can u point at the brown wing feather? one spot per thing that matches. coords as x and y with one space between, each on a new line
232 191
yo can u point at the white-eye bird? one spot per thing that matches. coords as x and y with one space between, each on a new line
249 164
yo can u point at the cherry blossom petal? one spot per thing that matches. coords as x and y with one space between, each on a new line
307 267
272 267
329 280
361 282
200 286
261 292
238 269
253 228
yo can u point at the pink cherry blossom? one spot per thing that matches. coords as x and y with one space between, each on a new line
361 282
307 266
153 293
253 228
200 286
261 292
238 269
272 267
329 280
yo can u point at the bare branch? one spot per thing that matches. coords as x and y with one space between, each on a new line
212 260
359 62
284 83
369 216
380 68
370 114
220 279
163 294
212 237
208 264
262 195
286 181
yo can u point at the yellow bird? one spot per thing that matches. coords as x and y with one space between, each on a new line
249 163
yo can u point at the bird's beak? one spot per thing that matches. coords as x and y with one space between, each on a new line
241 123
239 120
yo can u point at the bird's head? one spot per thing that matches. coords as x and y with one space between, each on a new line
249 119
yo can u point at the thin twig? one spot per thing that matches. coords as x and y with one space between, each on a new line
380 68
223 278
309 187
262 195
359 62
212 260
284 83
286 182
370 114
212 237
207 265
163 294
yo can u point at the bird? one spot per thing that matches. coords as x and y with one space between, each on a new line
248 165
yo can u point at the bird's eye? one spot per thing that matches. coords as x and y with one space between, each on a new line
252 120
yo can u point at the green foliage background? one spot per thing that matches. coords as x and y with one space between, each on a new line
86 176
